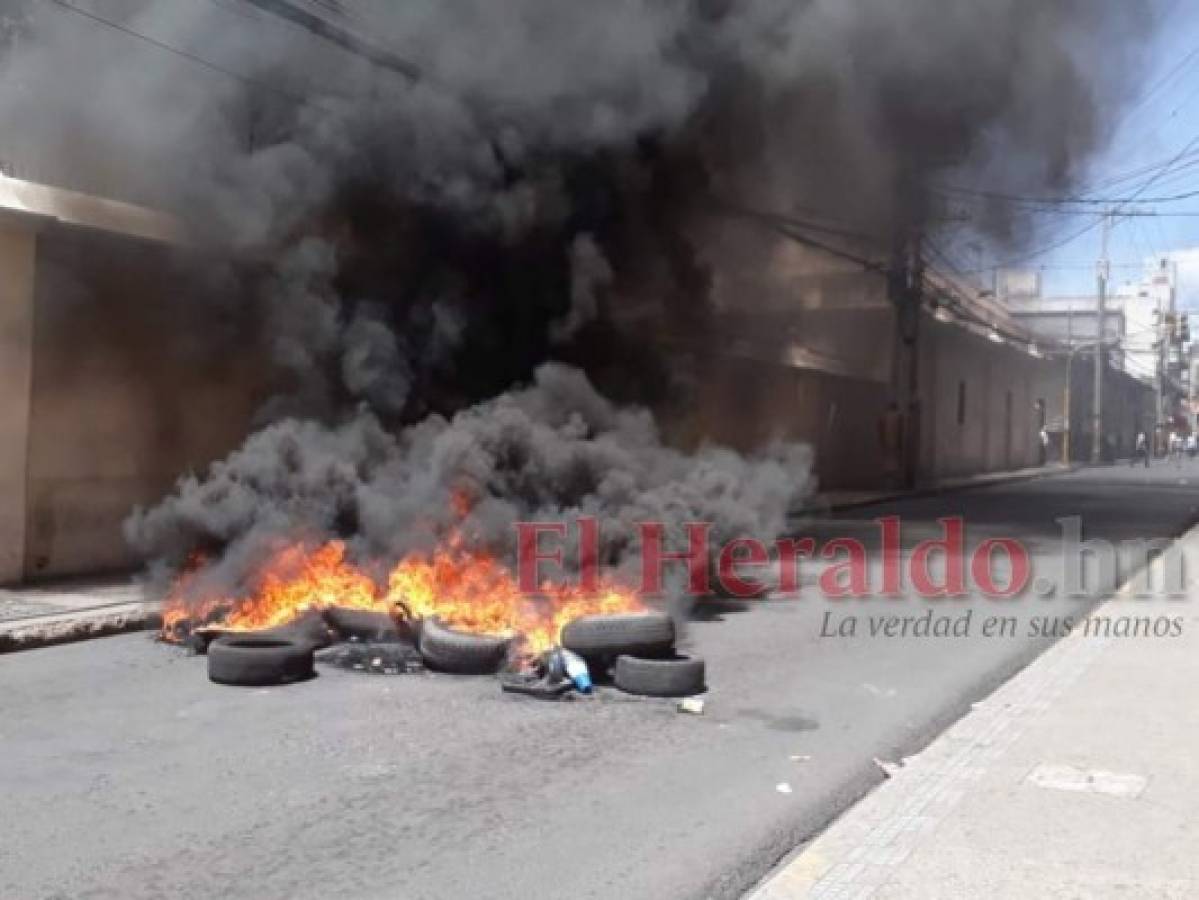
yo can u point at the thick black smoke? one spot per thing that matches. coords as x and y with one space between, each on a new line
554 450
433 242
849 105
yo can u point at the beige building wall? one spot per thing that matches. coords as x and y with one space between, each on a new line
980 402
134 384
127 358
18 246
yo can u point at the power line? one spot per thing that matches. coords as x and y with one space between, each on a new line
1090 265
1082 196
1065 201
1162 82
768 217
790 230
1057 245
340 36
183 54
1113 213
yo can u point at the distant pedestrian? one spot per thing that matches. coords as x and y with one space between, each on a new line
1176 448
1142 450
1192 445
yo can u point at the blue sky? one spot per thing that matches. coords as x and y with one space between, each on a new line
1155 128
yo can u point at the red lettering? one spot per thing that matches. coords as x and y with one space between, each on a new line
528 555
653 557
730 559
857 581
589 535
952 547
982 571
790 550
892 554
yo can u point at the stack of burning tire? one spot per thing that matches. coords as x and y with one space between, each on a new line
638 650
635 649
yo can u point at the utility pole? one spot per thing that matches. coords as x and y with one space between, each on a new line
1067 420
915 301
1100 335
905 286
1159 371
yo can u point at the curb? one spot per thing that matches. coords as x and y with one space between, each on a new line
948 487
64 628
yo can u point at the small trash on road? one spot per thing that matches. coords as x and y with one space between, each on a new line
783 788
692 705
546 688
890 769
575 668
376 658
799 758
1094 781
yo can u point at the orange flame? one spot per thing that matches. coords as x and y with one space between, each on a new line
466 589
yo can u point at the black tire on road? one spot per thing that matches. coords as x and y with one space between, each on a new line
637 634
256 660
308 629
447 650
679 676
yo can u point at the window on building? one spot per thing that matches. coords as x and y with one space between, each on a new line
961 403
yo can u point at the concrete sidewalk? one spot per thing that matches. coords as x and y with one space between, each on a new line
39 616
1078 778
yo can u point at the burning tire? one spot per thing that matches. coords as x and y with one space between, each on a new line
310 629
637 634
256 660
447 650
679 676
362 624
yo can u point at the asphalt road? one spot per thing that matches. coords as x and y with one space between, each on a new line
124 773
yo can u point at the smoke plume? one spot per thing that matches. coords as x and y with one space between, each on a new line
555 450
435 240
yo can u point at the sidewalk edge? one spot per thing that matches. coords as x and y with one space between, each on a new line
878 832
47 631
949 486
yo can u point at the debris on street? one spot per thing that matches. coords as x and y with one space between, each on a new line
391 658
543 688
692 705
890 769
576 670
